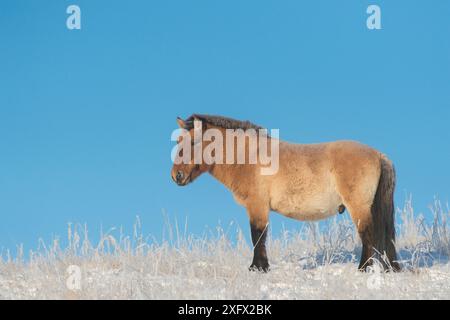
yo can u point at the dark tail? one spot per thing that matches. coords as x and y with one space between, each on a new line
383 215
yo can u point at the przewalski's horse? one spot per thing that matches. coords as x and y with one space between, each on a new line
313 182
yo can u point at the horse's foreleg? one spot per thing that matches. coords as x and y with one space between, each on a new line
260 261
259 227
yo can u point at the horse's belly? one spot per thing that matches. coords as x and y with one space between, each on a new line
311 208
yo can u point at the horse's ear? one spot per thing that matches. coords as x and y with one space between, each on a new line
181 123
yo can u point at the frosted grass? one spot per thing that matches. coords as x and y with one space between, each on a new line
313 263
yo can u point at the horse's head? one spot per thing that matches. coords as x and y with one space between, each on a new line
188 161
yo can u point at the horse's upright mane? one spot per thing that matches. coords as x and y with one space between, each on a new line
222 122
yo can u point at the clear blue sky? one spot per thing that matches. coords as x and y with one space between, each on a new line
86 115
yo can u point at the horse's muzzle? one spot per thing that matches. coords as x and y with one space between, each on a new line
180 178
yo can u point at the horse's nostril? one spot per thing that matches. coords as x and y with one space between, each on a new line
179 176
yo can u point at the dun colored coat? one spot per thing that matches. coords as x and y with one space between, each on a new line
314 182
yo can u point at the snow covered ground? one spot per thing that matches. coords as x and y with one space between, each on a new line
310 264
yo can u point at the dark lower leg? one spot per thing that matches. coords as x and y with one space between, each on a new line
392 256
367 251
384 252
260 261
366 260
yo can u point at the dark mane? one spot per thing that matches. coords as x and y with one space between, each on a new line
222 122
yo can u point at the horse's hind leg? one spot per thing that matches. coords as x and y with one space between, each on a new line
361 216
367 248
259 218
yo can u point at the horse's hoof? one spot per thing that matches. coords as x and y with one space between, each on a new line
395 267
391 267
259 268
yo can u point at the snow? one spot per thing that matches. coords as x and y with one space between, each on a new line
313 263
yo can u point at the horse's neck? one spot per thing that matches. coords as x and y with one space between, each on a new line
226 174
221 174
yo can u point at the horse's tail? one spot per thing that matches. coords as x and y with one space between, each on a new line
383 215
